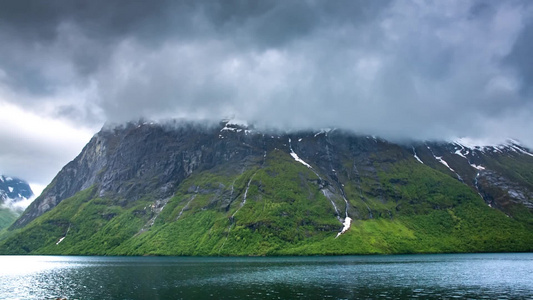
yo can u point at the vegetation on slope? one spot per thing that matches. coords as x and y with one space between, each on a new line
274 206
7 217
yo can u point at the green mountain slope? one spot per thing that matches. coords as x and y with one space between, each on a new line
272 201
7 217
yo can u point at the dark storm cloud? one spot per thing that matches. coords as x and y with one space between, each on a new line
86 32
521 58
407 69
79 33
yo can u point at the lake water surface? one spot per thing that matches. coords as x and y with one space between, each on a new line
463 276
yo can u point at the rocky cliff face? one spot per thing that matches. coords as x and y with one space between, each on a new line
140 159
170 167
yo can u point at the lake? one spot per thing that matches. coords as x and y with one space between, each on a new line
464 276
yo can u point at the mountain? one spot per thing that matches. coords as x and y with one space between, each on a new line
192 189
13 191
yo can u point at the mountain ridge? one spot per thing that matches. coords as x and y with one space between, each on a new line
145 180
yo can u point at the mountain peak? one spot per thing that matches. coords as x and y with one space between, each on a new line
183 188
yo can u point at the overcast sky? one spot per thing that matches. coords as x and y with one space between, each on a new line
397 69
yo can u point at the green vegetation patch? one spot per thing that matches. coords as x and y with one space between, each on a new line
274 206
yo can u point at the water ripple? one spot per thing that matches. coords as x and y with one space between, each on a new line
474 276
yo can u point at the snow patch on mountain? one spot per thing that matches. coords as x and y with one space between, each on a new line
323 131
238 122
477 143
63 237
461 150
521 150
297 158
481 168
416 156
226 128
442 161
346 224
235 125
490 146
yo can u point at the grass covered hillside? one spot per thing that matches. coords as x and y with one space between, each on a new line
7 217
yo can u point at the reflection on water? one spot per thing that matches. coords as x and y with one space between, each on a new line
474 276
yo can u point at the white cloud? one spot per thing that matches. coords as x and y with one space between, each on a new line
37 189
397 69
35 147
17 206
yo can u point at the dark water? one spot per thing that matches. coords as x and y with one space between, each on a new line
446 276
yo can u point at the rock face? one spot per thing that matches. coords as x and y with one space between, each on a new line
168 169
136 160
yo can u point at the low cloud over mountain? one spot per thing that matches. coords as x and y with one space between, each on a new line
398 69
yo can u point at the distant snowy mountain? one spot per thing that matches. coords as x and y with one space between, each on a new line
14 189
15 196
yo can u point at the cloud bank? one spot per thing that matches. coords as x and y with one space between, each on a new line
397 69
